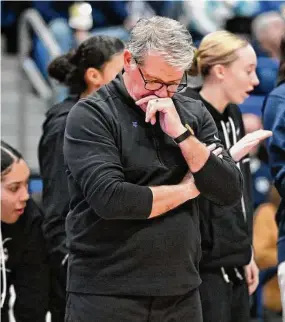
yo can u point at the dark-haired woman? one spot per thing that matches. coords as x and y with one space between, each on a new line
93 64
274 120
22 248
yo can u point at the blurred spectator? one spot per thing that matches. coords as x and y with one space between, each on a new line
268 29
71 22
274 119
113 18
10 14
104 13
203 17
84 70
265 235
245 11
22 248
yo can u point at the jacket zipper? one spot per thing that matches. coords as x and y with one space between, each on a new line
155 142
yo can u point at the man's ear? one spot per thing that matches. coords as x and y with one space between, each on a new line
219 71
127 60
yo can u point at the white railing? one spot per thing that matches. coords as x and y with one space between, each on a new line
30 23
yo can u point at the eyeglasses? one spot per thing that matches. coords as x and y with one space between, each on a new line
155 85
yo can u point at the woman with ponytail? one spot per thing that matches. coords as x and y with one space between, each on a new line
93 64
22 248
229 274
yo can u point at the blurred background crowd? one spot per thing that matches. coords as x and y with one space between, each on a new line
35 32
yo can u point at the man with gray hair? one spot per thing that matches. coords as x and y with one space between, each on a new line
137 160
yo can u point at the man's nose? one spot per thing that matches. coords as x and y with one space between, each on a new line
162 92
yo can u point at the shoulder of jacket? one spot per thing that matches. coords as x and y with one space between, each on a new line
190 105
186 99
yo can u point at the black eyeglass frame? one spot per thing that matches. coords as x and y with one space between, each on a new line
179 88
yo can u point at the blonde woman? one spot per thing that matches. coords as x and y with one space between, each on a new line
229 275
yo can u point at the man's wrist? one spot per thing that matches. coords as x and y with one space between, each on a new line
178 132
188 132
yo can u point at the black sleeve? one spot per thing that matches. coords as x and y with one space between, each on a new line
55 196
31 280
93 158
219 180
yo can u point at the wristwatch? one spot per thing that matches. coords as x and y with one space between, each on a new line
189 131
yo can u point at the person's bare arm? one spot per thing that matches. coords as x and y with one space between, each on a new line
194 152
166 198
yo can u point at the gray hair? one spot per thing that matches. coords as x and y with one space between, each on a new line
168 37
263 21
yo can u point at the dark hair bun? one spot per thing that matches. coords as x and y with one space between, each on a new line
61 66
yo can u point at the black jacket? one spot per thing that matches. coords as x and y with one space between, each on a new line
55 196
55 199
113 157
226 232
26 267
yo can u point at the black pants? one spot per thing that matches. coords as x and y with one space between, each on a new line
97 308
222 301
57 293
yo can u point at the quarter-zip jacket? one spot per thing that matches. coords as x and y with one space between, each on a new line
226 232
113 157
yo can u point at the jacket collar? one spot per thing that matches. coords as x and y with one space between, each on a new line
118 87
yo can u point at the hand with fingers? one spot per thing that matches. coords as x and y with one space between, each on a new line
247 143
217 151
169 119
252 276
